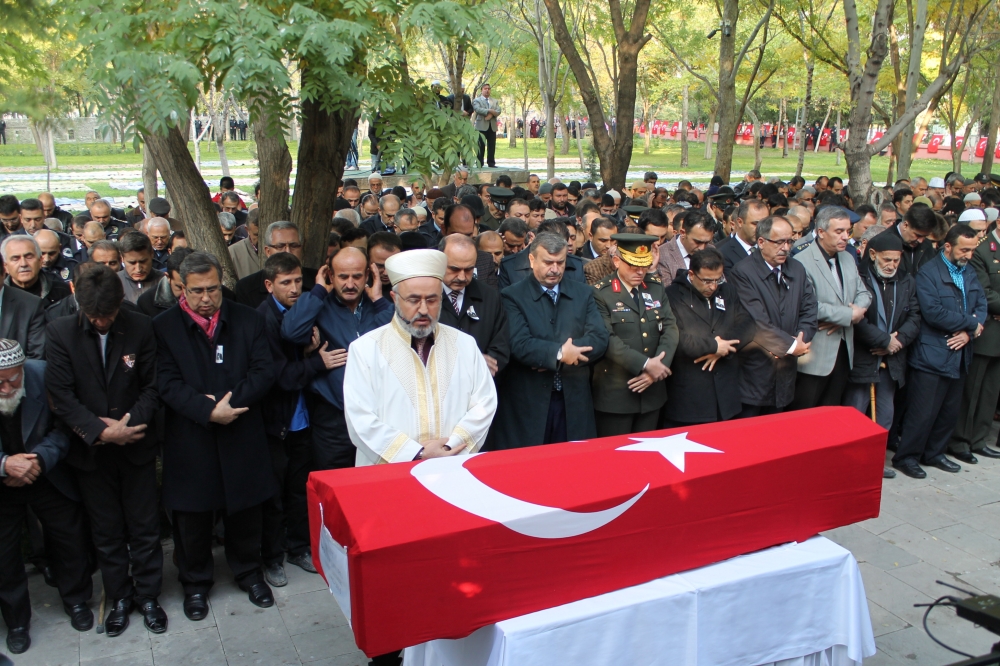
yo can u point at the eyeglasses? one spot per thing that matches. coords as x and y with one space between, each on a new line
285 247
415 301
201 291
784 242
708 280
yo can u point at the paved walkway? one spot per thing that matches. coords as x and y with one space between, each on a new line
946 527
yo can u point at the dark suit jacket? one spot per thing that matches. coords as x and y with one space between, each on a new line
732 253
292 370
207 466
41 433
767 370
374 224
82 388
431 233
696 395
516 267
943 314
486 270
867 334
251 292
484 318
913 259
22 318
538 328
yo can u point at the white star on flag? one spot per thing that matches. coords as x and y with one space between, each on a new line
672 448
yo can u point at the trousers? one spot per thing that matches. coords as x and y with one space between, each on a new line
286 515
488 141
979 402
193 541
555 422
332 447
64 523
826 391
609 425
859 397
932 404
123 504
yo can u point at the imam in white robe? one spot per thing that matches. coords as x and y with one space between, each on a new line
392 402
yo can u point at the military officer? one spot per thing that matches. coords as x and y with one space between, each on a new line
979 397
628 382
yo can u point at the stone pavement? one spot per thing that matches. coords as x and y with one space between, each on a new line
946 527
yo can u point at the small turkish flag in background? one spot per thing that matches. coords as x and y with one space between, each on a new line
439 548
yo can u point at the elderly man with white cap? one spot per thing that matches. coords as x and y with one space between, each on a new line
415 388
975 218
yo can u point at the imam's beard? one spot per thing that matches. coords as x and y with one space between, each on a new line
417 331
886 275
9 404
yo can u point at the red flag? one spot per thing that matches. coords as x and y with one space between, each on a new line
439 548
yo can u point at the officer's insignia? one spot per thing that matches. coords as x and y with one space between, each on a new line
619 304
129 360
616 286
64 273
114 230
993 246
642 249
68 253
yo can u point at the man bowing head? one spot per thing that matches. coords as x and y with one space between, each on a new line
415 388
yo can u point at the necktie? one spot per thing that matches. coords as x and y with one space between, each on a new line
635 297
777 274
557 379
836 276
454 301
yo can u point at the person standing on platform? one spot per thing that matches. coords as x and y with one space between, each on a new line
952 311
778 295
213 369
883 337
342 307
628 383
842 300
101 381
556 333
704 386
487 111
32 477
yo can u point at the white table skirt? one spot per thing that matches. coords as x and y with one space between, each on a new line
800 604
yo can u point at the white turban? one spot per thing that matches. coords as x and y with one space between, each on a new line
972 215
416 263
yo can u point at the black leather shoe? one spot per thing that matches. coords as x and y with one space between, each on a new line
117 621
987 452
966 457
910 468
196 606
946 465
49 576
154 617
260 595
81 618
888 473
18 640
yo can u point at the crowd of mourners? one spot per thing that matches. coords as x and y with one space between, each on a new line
142 399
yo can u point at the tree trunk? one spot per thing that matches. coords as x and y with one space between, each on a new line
956 158
149 184
326 138
991 132
565 126
916 42
192 129
647 139
782 122
727 110
512 131
822 127
192 201
579 140
524 142
837 135
800 133
550 136
275 168
709 131
756 138
684 128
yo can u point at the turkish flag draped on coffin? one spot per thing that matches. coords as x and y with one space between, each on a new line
438 548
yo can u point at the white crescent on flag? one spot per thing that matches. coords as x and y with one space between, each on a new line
448 479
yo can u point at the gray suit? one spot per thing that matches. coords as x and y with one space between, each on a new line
22 318
833 306
481 106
